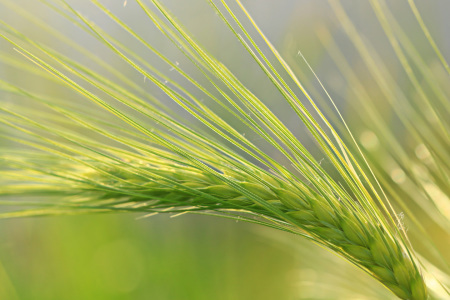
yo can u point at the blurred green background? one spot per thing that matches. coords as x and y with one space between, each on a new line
190 257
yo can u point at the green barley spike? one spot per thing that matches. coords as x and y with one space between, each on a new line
121 149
